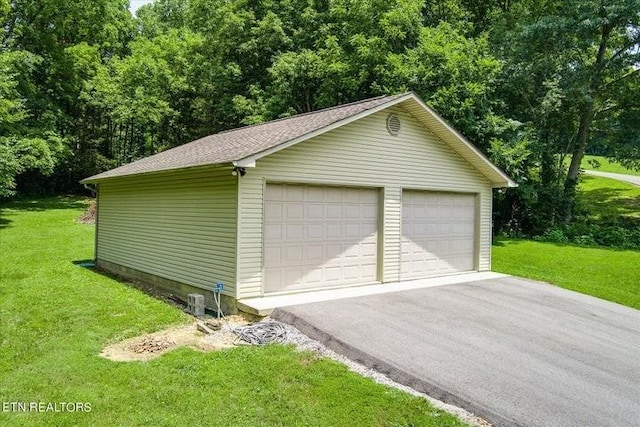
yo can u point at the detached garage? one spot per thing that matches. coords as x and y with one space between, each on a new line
377 191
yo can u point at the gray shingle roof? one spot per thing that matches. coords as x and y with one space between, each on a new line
238 144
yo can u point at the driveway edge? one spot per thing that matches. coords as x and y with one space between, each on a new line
390 371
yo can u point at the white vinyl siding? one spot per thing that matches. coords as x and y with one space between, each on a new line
176 225
319 237
392 212
361 154
438 233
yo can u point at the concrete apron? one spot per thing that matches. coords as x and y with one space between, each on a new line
264 306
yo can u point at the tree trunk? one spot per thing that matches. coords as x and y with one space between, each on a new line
586 118
573 173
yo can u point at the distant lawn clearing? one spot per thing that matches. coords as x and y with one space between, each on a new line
56 316
607 197
606 165
609 274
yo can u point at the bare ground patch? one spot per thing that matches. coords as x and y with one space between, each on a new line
89 215
149 346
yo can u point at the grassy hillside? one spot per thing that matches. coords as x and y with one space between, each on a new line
604 165
609 197
605 273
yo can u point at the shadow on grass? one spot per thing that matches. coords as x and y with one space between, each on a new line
502 242
609 200
148 289
4 222
509 241
499 242
38 205
86 263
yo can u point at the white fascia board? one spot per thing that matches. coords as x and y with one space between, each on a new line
252 159
506 184
244 163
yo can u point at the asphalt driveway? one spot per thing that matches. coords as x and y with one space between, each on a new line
517 352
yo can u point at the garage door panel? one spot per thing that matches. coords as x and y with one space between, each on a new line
314 232
294 211
293 194
354 231
333 212
438 233
274 232
369 210
272 193
273 276
334 231
293 232
273 211
315 210
273 256
313 194
313 254
369 250
332 243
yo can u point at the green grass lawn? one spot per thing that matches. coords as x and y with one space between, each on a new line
609 197
610 274
605 165
55 317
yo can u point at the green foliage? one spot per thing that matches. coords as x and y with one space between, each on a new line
611 274
20 155
22 147
555 235
456 75
12 112
511 154
535 85
611 232
160 16
56 316
608 214
571 69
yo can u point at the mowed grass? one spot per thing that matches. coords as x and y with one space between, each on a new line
609 197
609 274
605 165
56 316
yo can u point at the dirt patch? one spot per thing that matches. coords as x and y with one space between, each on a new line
89 216
150 346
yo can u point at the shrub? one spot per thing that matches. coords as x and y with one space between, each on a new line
584 240
555 235
616 232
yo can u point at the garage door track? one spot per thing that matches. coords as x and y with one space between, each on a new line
517 352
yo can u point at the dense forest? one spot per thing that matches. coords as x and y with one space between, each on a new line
535 84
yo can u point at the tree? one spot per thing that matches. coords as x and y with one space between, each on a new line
569 65
61 39
143 101
21 147
456 75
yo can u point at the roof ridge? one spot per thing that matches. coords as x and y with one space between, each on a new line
243 142
335 107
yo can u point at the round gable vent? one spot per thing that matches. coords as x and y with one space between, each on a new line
393 124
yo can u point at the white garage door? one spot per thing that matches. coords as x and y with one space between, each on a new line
438 233
317 237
